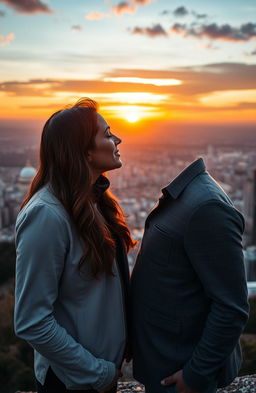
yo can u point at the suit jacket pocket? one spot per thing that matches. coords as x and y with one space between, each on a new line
156 247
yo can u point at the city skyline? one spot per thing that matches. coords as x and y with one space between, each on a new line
149 63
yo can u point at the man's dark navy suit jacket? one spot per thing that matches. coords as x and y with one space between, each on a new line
188 287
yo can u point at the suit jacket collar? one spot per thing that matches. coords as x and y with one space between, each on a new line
176 187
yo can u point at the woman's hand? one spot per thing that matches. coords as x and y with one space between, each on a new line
113 383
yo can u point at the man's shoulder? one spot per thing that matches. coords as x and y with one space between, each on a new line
204 188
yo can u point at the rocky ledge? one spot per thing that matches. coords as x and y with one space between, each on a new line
245 384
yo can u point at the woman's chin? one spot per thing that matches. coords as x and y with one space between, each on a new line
118 164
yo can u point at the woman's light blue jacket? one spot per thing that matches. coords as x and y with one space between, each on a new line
75 324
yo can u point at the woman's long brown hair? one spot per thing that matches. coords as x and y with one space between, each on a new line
66 138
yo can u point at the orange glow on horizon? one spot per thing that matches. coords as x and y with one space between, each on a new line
38 99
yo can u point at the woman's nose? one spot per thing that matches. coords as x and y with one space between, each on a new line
117 140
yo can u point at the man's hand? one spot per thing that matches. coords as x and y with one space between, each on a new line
113 383
128 355
177 379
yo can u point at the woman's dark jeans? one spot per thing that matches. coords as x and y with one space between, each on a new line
54 385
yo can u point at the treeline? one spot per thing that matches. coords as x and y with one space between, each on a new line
16 356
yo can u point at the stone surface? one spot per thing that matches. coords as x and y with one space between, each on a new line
245 384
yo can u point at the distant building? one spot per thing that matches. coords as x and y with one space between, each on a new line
251 285
250 263
11 196
253 242
248 206
25 177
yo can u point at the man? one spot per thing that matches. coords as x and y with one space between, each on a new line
188 289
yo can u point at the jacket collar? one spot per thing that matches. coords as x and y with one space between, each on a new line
180 182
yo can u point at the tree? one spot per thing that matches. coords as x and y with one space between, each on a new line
7 261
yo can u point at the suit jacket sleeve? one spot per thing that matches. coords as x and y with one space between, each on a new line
213 244
42 243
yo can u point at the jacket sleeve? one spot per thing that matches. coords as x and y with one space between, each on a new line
213 245
42 243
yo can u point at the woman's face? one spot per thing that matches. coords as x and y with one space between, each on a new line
105 155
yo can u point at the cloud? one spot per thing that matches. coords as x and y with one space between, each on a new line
199 16
28 6
196 81
179 28
123 7
180 11
154 31
96 16
129 7
5 40
223 88
225 32
253 53
2 13
164 12
77 28
142 2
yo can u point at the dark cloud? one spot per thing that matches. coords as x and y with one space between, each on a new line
199 79
180 11
165 12
199 16
123 7
2 13
225 32
154 31
28 6
77 28
179 28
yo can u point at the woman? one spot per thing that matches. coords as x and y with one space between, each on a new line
72 272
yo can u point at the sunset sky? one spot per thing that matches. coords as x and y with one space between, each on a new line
142 60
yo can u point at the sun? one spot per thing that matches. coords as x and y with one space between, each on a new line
132 117
131 113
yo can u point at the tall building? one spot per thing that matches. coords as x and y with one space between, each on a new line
253 240
250 263
248 207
